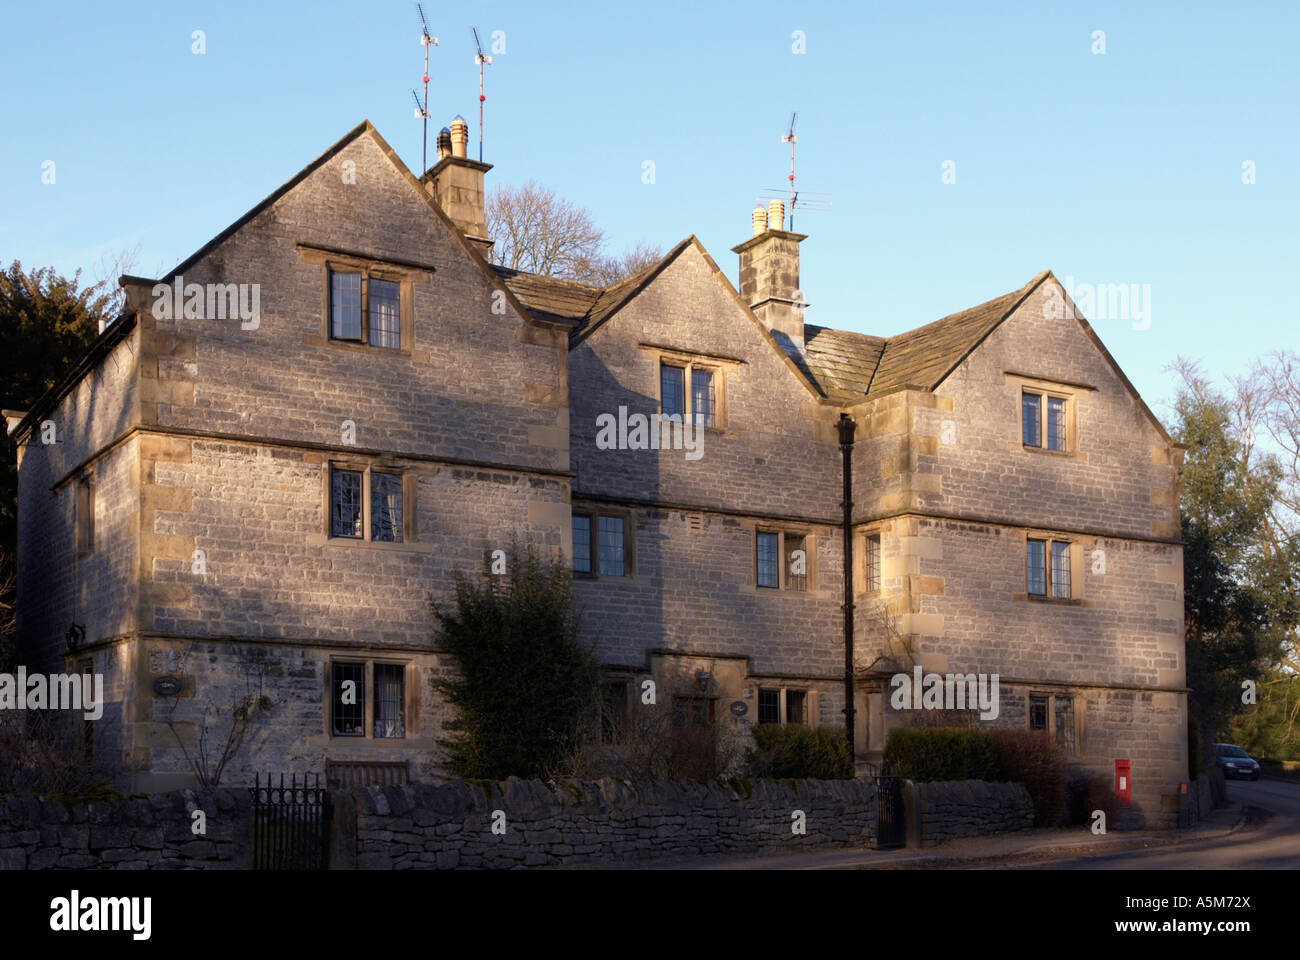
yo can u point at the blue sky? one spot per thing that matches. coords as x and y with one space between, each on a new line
1117 168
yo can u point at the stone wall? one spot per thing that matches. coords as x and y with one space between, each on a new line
140 833
440 827
969 808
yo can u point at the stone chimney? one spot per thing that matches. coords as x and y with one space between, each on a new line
769 276
456 183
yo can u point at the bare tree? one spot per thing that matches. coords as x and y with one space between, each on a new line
8 611
536 231
110 269
607 271
213 752
890 651
674 738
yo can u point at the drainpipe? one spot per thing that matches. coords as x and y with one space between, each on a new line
847 426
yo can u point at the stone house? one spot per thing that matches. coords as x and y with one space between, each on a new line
256 490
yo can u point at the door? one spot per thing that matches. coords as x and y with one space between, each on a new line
694 738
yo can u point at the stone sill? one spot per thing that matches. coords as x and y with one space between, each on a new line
408 546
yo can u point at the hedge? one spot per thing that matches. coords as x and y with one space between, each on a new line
928 754
799 752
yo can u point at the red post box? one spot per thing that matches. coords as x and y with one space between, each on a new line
1123 781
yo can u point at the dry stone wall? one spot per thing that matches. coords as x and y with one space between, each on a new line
424 827
971 808
140 833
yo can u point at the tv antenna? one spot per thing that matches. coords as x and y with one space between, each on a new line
791 139
808 199
427 40
480 58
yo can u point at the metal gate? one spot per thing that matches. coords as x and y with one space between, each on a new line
291 824
891 822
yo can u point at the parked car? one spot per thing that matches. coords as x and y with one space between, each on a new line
1236 762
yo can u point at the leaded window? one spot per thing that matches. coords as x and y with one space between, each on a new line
385 313
611 547
346 503
390 700
386 507
766 560
348 714
345 306
1060 570
1031 413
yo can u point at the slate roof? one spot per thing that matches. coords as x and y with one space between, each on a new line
854 366
550 298
845 367
581 306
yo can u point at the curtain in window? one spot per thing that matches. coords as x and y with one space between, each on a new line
390 700
1065 723
386 507
384 299
702 407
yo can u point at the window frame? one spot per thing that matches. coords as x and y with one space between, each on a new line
406 275
872 570
409 487
334 681
1045 396
593 515
409 707
1048 546
1051 702
783 575
688 366
782 694
84 512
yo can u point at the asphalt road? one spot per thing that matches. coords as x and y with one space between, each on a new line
1272 844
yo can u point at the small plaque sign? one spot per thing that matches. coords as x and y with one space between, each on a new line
166 686
739 707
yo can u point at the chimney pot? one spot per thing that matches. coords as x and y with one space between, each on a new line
759 218
444 142
459 136
776 214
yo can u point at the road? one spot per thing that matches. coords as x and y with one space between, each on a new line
1273 844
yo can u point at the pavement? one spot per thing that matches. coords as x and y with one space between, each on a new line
1025 848
1269 839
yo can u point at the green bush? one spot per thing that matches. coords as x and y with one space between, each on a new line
931 754
1031 758
525 684
820 753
